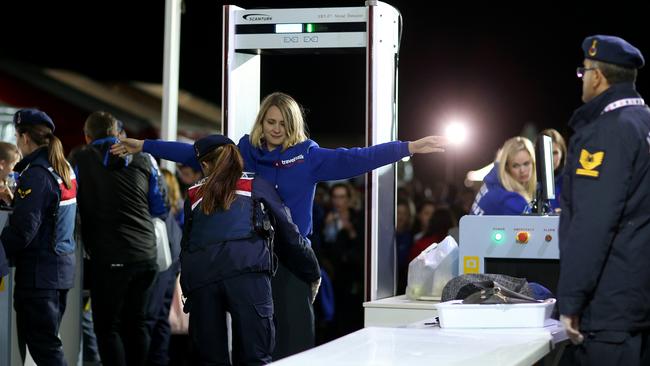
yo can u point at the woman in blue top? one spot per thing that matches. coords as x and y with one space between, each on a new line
279 150
559 159
509 187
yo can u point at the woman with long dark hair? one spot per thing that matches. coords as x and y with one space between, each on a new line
227 256
39 238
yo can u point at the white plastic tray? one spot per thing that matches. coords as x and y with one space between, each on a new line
455 314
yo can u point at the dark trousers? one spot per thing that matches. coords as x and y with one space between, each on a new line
38 318
158 316
120 297
294 314
614 348
247 298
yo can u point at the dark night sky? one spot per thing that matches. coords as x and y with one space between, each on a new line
500 65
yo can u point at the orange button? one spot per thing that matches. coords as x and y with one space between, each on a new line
522 237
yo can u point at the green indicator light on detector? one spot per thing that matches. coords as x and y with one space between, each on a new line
498 236
309 28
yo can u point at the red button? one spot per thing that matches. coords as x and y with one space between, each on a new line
522 237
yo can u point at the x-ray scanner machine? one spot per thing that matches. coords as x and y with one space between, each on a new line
520 246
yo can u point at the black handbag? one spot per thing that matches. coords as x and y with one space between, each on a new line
490 292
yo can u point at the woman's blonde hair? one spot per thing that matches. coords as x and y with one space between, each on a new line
42 135
292 113
173 191
9 152
510 148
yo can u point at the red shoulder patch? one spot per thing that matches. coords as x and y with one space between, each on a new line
192 193
68 194
244 184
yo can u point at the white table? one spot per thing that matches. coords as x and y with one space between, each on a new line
397 311
378 346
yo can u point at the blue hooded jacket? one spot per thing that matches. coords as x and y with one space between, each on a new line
494 199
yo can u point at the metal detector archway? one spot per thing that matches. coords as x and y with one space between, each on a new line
248 35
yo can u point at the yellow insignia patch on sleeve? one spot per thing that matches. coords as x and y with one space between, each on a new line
24 193
590 163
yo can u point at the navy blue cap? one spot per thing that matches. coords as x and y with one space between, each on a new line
613 50
33 116
207 144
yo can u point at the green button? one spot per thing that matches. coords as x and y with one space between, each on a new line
498 236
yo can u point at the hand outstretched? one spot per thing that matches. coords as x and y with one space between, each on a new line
428 144
127 146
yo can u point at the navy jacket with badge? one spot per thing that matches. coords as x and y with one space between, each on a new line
605 219
224 244
42 250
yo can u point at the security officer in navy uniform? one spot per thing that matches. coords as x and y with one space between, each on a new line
604 286
227 256
39 237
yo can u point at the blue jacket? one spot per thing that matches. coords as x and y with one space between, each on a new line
39 237
226 243
605 219
295 171
494 199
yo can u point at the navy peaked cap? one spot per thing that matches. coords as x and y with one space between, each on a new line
33 116
613 50
207 144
